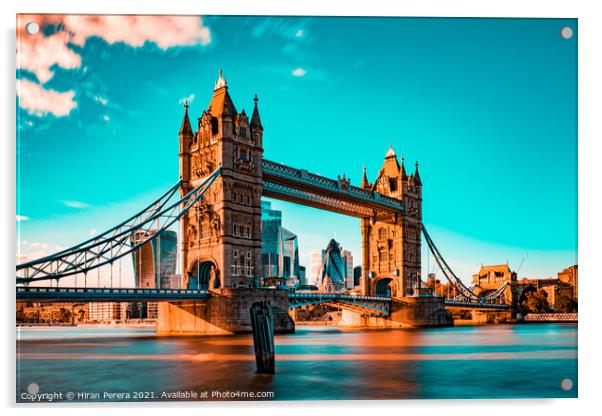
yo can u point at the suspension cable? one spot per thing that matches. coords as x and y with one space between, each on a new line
69 262
447 271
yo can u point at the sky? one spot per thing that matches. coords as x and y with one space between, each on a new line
488 107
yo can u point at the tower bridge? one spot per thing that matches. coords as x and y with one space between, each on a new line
223 177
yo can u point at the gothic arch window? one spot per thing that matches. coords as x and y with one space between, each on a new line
248 266
393 184
214 126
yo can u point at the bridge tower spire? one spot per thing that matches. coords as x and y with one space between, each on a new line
186 137
255 119
417 180
221 247
365 183
391 245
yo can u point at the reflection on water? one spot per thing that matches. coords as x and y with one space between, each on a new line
313 364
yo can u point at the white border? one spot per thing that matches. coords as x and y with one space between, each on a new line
590 135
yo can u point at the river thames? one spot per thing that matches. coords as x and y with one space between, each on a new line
315 363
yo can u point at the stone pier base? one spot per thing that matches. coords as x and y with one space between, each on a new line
226 312
421 311
405 313
490 317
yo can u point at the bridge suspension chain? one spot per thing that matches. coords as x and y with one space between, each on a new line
464 293
116 242
447 271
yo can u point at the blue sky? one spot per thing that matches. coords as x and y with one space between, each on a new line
487 106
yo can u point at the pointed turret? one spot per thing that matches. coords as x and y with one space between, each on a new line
186 138
417 180
221 81
391 165
221 104
255 119
404 175
365 184
186 128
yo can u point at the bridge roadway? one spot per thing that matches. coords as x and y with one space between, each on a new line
93 294
377 304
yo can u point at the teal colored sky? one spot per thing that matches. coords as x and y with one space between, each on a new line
487 106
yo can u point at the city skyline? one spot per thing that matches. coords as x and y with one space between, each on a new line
496 144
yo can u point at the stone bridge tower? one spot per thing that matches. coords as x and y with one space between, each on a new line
221 236
391 245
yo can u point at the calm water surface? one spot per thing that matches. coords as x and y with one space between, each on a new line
316 363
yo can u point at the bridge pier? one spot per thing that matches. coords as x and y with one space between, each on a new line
490 317
420 311
405 312
226 312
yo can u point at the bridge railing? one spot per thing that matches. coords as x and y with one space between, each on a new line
566 317
93 290
476 305
339 296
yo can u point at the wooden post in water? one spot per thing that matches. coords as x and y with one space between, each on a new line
262 322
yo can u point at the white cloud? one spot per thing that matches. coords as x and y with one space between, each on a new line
75 204
101 100
31 250
106 117
299 33
299 72
40 101
40 53
22 218
164 31
92 232
188 99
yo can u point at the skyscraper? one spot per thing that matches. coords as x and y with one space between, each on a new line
357 274
332 268
316 260
302 276
155 261
280 247
348 258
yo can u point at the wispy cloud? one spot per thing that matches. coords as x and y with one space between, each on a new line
39 101
75 204
92 232
101 100
106 117
282 27
22 218
188 99
31 250
299 72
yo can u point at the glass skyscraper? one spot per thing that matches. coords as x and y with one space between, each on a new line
155 261
280 247
332 268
